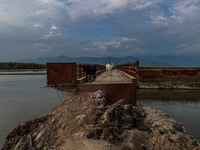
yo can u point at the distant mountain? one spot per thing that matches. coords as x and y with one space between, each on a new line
145 60
86 60
176 60
159 64
159 61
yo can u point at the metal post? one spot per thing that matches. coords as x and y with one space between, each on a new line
79 70
137 73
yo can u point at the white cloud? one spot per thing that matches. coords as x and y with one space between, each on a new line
167 21
152 24
47 1
52 33
37 25
179 12
160 20
187 8
75 9
103 46
142 4
12 16
127 39
47 36
38 12
189 48
114 4
53 27
2 6
183 11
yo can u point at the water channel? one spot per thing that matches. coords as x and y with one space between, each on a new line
24 97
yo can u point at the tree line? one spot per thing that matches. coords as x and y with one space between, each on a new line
19 65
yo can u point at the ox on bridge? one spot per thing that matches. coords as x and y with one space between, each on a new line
121 85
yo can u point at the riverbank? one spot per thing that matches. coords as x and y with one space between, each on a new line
170 78
23 72
168 85
80 122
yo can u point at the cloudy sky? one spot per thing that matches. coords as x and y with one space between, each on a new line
40 28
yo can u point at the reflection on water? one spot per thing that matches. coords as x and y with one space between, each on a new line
24 97
182 105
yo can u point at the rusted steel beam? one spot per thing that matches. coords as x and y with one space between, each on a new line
137 73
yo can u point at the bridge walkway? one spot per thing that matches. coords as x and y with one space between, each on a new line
121 85
115 78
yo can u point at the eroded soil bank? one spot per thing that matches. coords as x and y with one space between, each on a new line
84 122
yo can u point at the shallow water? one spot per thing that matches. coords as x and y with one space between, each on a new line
182 105
24 97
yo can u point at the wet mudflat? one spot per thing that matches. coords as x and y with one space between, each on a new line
182 105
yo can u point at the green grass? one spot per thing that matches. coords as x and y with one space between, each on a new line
20 70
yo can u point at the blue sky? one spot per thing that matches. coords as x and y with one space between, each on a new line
42 28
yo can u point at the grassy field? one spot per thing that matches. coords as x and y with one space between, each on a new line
187 76
20 70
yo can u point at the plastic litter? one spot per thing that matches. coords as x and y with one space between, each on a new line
78 135
101 107
80 117
99 99
98 94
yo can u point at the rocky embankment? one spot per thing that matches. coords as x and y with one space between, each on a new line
86 121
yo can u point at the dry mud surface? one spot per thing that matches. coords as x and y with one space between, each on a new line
170 77
84 123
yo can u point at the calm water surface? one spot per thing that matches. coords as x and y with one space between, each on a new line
182 105
24 97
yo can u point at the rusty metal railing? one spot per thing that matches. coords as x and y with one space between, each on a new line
62 73
66 73
132 69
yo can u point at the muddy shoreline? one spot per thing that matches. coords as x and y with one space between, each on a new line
80 122
166 85
170 78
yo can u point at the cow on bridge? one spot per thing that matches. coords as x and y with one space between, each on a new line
109 68
89 70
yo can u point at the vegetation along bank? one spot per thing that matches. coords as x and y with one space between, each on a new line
170 77
17 65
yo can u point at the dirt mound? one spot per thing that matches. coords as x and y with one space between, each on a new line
84 121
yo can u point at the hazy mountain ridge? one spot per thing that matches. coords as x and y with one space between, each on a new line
89 60
159 61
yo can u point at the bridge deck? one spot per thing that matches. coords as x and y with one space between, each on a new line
104 79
